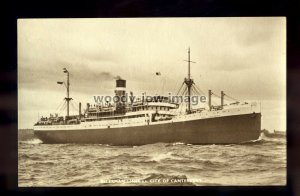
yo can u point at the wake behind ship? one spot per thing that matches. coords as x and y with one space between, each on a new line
158 119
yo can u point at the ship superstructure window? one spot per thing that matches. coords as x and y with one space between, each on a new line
117 118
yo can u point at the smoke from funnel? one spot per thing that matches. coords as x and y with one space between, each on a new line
108 76
118 78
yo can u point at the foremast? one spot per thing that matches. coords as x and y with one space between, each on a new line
67 85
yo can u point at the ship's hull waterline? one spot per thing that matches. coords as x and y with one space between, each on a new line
219 130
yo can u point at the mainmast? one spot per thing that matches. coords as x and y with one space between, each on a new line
189 82
189 64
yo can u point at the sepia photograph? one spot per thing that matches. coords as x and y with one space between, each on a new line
113 102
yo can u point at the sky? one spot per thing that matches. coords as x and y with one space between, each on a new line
245 57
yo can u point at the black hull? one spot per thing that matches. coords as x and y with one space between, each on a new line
219 130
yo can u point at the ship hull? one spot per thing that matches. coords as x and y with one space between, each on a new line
218 130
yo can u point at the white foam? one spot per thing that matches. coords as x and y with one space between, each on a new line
260 138
33 141
159 157
178 143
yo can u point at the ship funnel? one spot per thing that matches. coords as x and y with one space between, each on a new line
120 83
120 93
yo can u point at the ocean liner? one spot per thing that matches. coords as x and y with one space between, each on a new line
159 119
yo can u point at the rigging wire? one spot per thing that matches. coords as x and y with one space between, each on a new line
215 95
180 108
180 88
183 93
60 105
231 98
58 111
196 92
193 91
73 106
64 106
199 93
199 89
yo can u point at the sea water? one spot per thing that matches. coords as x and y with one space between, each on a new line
259 162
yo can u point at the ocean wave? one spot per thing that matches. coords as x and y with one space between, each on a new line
275 134
75 182
258 158
274 140
25 134
264 139
178 143
211 163
161 156
119 158
126 157
145 161
45 163
253 170
257 141
233 164
30 157
193 163
23 156
32 141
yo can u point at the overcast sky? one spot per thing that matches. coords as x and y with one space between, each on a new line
245 57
